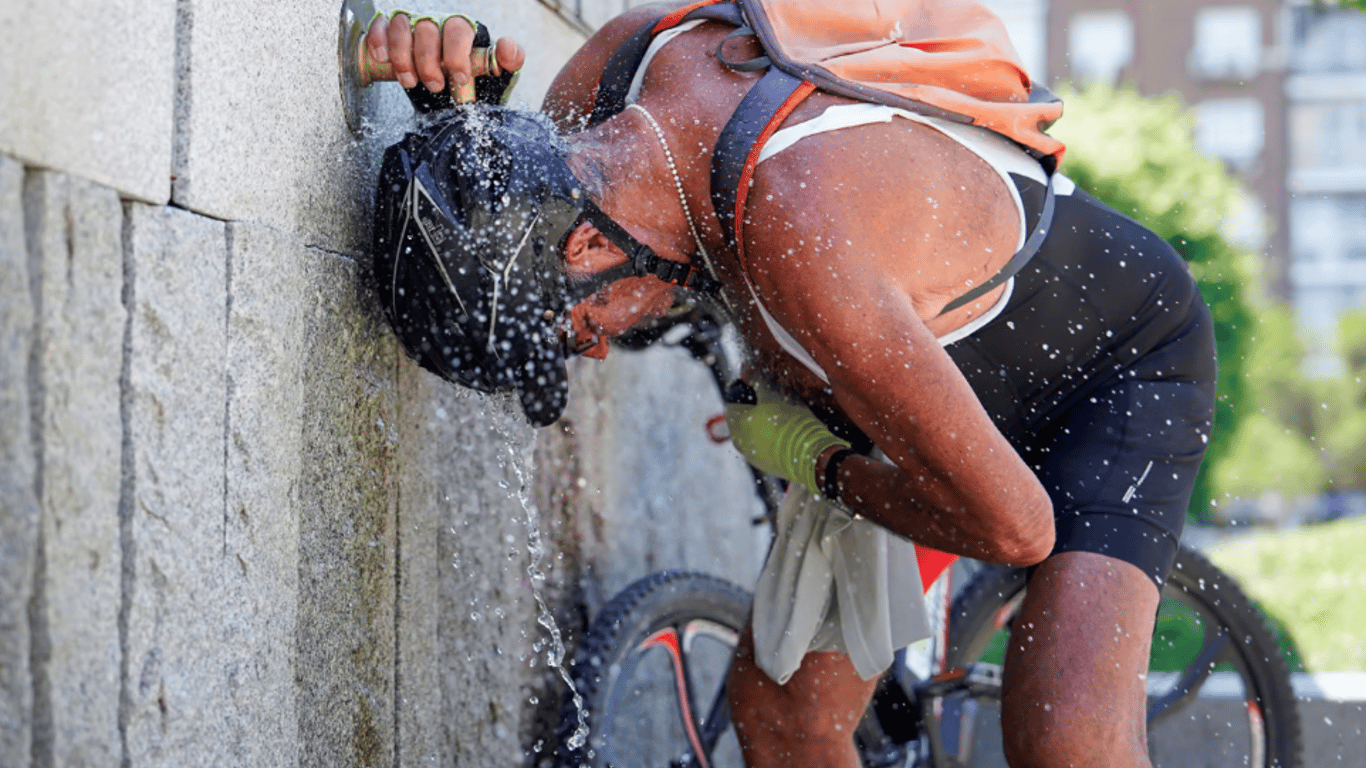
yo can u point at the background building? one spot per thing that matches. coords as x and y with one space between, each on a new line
1326 91
1224 59
1279 92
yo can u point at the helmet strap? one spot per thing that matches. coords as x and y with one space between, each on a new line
641 261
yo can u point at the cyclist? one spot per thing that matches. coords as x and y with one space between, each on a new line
1055 419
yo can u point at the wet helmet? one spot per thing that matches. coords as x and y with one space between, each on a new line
472 212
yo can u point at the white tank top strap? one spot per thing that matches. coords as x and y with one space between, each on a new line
998 152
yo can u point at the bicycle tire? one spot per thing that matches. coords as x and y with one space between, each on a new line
983 610
671 611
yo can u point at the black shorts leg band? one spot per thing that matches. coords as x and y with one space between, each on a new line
1124 536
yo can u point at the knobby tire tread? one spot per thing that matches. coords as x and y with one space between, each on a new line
645 605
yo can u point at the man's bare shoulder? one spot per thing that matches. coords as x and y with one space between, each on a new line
897 202
570 98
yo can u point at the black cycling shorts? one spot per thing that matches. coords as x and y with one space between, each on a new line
1101 372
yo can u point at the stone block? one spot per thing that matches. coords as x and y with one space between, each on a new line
465 476
89 90
262 137
18 500
491 543
421 724
264 450
77 232
185 651
345 638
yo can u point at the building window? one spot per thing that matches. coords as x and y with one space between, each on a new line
1328 135
1233 129
1328 230
1329 41
1100 44
1228 43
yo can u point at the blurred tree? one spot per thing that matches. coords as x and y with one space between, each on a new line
1275 447
1265 456
1139 156
1341 415
1274 366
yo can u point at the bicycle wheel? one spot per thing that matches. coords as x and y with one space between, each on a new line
651 675
1219 693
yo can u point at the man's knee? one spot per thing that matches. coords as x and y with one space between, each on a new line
1059 736
814 706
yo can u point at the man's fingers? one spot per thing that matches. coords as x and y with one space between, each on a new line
427 55
377 38
510 55
401 50
431 53
458 37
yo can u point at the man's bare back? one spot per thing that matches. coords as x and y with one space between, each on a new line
853 242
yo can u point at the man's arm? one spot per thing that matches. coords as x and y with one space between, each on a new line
840 250
569 102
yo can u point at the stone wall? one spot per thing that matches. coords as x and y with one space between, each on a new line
237 526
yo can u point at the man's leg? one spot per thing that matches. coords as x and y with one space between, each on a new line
809 721
1074 689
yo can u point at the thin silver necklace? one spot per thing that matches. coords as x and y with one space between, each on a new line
678 184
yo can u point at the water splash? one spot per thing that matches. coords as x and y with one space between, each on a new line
536 548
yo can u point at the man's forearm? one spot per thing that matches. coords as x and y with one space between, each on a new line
919 505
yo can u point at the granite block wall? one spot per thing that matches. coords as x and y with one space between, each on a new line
237 525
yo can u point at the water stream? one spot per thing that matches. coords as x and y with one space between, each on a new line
536 548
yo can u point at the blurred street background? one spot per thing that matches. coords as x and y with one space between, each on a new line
1237 130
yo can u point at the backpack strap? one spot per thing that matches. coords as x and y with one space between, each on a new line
760 113
1021 257
615 82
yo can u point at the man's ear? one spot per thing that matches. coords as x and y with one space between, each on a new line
588 251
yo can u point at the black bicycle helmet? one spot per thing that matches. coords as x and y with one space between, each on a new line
472 213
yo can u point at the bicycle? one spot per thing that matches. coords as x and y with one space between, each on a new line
651 669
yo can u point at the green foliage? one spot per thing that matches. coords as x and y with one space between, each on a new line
1341 417
1275 363
1139 156
1266 455
1310 579
1273 447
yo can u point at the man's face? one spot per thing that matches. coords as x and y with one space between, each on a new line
619 305
615 309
